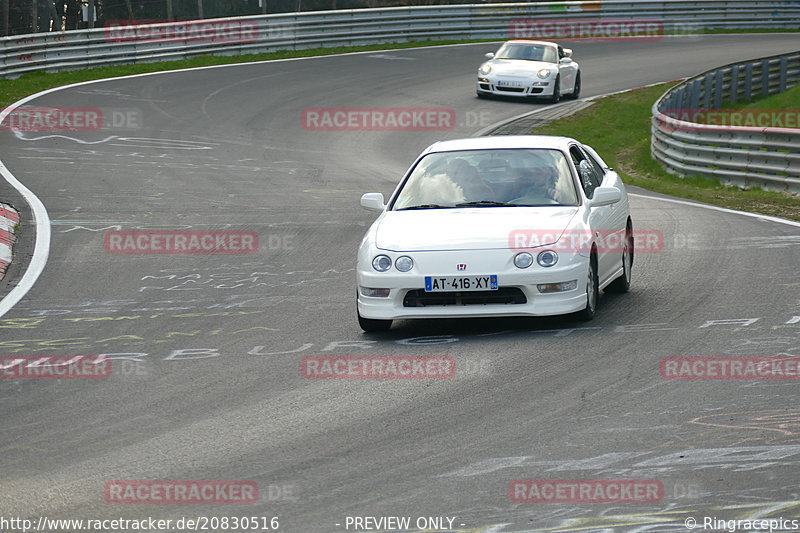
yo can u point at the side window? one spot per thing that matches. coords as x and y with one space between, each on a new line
589 172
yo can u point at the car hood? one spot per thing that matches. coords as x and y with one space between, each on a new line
518 67
482 228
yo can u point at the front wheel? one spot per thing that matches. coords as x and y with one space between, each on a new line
576 91
592 291
556 91
371 325
623 283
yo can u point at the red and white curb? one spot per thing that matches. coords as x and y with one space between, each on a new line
9 218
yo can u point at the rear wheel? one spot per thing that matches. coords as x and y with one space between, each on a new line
592 291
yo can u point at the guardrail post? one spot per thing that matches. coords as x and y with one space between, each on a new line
734 83
784 64
765 77
748 81
718 90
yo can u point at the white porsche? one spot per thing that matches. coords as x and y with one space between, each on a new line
496 226
530 69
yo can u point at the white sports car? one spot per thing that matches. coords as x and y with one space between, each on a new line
496 226
530 68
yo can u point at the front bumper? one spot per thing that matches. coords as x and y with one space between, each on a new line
517 288
526 88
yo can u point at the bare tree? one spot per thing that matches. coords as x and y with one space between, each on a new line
55 17
5 17
90 16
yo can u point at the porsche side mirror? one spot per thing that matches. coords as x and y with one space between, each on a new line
373 201
489 55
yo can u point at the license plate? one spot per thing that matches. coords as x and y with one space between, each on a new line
502 83
460 283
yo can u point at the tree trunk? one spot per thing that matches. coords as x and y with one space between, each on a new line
199 9
55 16
5 17
34 16
90 16
170 17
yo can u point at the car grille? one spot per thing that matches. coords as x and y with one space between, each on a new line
511 89
503 295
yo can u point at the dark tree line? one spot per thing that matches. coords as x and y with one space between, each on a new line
32 16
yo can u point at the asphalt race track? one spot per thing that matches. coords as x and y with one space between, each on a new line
206 349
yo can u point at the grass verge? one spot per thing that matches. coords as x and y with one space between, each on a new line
618 127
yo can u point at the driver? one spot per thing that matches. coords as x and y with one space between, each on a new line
466 177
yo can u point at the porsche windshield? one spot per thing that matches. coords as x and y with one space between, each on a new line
529 52
489 178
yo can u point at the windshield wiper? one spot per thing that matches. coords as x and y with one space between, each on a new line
425 206
485 203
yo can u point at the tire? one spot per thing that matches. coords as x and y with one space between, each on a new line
592 292
371 325
556 91
623 283
576 91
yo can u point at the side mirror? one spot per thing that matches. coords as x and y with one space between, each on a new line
373 201
567 52
489 55
606 196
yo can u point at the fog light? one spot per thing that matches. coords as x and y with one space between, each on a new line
374 293
564 286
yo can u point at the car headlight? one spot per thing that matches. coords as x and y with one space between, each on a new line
544 73
523 260
382 263
404 263
486 68
547 258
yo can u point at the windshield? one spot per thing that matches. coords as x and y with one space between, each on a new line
529 52
488 178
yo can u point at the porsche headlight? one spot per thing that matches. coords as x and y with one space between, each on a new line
484 69
543 73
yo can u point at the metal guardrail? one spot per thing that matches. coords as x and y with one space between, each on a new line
266 33
762 149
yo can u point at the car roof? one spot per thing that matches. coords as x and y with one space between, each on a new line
528 41
498 142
